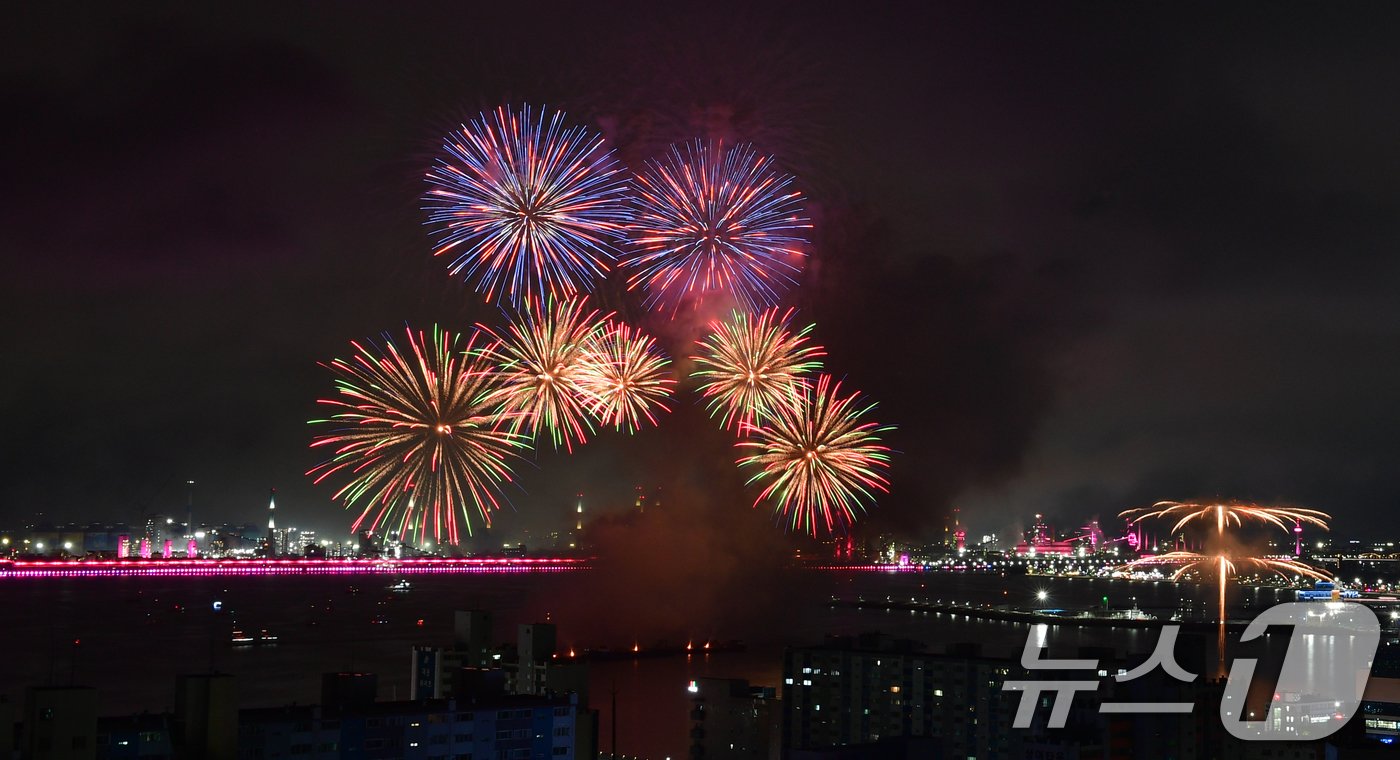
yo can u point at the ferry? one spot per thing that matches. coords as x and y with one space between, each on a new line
1326 591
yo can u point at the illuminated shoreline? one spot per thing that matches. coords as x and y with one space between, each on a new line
127 568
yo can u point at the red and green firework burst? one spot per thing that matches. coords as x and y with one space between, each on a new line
818 460
749 365
417 441
625 377
540 358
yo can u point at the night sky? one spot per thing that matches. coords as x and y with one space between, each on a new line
1085 258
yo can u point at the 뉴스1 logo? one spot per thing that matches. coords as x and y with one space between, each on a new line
1340 679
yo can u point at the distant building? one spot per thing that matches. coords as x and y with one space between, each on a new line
1040 541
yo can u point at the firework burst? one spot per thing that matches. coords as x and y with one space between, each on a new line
540 358
818 462
624 377
527 207
749 365
417 441
709 220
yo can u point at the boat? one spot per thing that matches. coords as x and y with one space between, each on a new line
402 587
1326 591
243 638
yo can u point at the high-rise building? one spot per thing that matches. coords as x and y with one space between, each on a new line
731 720
206 716
535 647
857 691
146 736
487 726
472 632
434 672
189 513
7 726
60 723
348 690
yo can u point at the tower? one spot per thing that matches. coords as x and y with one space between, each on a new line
272 523
1297 538
189 511
578 515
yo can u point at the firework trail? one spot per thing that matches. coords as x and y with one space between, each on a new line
540 360
624 376
709 221
527 207
749 365
817 460
417 441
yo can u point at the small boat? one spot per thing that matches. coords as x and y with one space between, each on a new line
244 638
402 587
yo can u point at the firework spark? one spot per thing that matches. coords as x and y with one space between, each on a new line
540 359
817 460
527 207
1192 563
1225 562
709 220
1226 514
417 441
624 376
749 365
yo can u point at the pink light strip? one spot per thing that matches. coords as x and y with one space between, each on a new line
225 567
